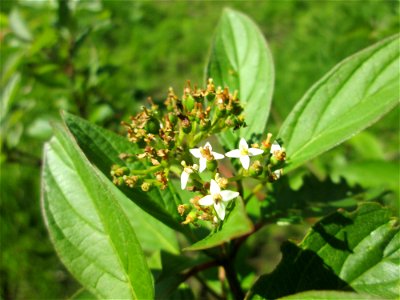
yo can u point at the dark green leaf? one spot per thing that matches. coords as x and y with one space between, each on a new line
352 96
241 60
88 227
356 251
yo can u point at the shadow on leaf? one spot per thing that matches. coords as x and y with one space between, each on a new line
299 270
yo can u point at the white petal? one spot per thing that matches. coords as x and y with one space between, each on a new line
206 200
214 187
255 151
217 155
203 164
245 160
228 195
233 153
243 144
195 152
208 145
275 147
220 209
184 179
278 173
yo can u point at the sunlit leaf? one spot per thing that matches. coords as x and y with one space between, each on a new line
103 149
241 60
88 227
328 295
352 96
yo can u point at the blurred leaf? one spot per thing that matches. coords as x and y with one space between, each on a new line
100 113
8 95
18 26
328 295
88 227
344 251
372 173
367 146
241 60
352 96
40 129
103 148
235 225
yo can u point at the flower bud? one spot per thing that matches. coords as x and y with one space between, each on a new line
186 125
255 169
145 186
152 125
190 218
212 165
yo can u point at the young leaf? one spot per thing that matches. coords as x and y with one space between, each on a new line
235 225
352 96
356 251
241 60
88 227
103 147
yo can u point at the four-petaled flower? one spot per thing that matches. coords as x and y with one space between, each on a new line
244 153
187 170
205 154
218 198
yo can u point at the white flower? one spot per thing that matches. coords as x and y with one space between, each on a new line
205 153
187 170
275 147
218 198
244 153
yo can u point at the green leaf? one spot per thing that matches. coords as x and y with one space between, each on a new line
241 60
352 96
88 227
103 148
235 225
328 295
356 251
82 294
19 26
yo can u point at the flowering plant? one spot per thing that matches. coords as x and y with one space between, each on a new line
138 217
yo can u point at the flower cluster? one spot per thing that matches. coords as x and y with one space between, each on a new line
165 137
271 171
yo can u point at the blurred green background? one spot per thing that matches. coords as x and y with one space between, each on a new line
101 59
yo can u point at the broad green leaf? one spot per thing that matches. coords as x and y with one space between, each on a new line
82 294
356 251
328 295
88 227
235 225
103 148
241 60
352 96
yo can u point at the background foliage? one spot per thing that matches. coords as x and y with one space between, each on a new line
101 59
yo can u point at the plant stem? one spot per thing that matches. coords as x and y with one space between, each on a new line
233 281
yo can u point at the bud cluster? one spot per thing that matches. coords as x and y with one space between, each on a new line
165 138
162 133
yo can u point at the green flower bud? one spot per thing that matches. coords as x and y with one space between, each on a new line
212 165
205 124
186 126
255 169
152 125
188 102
